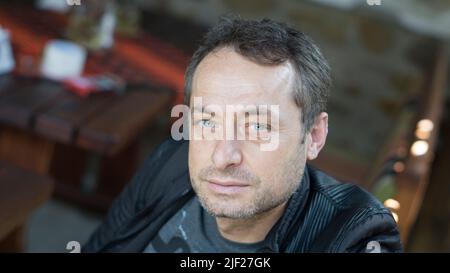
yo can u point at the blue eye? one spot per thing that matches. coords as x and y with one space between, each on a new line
260 127
206 123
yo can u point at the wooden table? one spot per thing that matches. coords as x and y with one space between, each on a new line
51 131
38 115
102 123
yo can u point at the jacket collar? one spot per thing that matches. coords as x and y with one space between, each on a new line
288 221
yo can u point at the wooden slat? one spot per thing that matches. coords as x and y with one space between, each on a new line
125 117
62 121
23 99
102 121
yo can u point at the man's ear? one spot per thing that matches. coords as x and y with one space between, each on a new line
317 136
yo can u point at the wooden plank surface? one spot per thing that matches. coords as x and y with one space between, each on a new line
62 121
122 121
22 99
103 123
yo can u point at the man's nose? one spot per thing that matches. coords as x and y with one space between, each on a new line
226 153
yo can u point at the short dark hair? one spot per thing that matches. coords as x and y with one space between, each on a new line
268 42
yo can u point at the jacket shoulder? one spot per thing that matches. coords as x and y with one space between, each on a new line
354 217
342 195
167 162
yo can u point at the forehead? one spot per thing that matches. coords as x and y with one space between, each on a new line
226 77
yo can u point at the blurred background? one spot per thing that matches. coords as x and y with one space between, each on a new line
86 89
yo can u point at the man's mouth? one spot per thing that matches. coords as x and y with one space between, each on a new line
227 186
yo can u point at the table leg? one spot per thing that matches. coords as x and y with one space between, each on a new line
92 181
116 171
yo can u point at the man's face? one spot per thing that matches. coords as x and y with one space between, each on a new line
236 178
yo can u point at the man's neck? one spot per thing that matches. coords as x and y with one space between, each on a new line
250 230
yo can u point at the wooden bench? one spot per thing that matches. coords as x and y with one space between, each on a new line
21 192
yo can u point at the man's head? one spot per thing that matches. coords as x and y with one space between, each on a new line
242 62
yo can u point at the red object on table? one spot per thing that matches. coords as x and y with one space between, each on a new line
91 85
81 86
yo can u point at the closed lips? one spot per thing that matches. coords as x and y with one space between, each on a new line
228 183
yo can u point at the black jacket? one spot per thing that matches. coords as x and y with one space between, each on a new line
323 215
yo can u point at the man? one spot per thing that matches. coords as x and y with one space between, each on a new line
227 194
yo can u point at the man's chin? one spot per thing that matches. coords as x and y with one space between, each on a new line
230 214
227 209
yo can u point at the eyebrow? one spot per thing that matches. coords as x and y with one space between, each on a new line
250 111
258 111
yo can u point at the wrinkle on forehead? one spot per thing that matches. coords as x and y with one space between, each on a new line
225 73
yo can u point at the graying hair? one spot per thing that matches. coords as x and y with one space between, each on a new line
268 42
